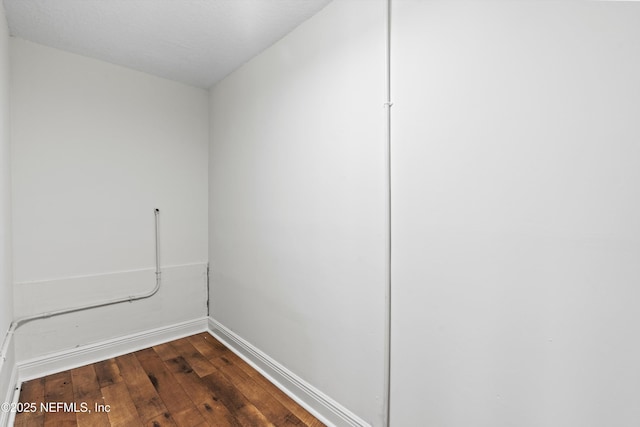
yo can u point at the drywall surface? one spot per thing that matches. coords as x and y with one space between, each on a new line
182 297
6 287
297 207
5 183
96 148
516 214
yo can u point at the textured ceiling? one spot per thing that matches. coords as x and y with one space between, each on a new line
197 42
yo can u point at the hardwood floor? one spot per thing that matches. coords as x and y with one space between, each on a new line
191 382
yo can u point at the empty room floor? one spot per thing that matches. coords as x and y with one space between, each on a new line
193 381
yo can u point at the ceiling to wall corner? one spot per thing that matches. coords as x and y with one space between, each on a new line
197 42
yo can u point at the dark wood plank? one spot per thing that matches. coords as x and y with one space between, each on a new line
108 372
172 394
209 406
164 420
189 417
264 401
59 390
218 348
208 346
191 382
144 395
213 349
122 412
216 414
314 422
194 358
31 392
166 351
86 389
236 402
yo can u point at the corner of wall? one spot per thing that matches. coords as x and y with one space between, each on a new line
8 382
8 371
6 260
306 395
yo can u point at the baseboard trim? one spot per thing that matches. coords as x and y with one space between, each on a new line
80 356
319 404
6 417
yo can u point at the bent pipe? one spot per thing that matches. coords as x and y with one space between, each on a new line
23 320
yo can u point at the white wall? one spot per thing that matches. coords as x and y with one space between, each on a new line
516 214
96 148
5 181
297 208
6 288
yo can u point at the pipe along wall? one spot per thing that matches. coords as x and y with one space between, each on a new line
17 323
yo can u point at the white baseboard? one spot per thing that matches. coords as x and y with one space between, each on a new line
6 417
319 404
80 356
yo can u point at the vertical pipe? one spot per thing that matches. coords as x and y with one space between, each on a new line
208 291
21 321
157 214
388 104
